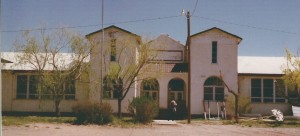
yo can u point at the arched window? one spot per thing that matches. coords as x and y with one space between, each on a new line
150 88
176 89
112 88
213 89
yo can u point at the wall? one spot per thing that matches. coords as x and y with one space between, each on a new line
11 104
126 44
202 67
258 107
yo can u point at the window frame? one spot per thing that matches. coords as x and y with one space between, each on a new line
113 50
213 84
263 88
214 52
39 95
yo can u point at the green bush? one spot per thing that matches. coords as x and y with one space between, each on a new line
94 113
143 109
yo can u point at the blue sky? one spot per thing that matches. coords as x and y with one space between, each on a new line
266 26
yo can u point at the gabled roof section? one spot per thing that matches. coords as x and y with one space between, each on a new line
112 26
215 28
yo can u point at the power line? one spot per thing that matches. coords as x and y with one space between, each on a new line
153 19
95 25
195 8
248 26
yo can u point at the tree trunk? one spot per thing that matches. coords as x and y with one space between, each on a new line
236 116
119 108
57 109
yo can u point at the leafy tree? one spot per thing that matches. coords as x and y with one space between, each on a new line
46 54
292 77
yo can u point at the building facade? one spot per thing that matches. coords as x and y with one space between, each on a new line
214 59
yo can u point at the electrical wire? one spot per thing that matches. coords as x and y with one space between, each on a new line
248 26
95 25
195 8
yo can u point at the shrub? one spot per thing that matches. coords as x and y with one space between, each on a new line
143 109
95 113
244 105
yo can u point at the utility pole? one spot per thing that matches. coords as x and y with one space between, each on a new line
101 52
188 51
0 67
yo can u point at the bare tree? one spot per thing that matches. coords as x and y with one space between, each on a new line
58 59
129 69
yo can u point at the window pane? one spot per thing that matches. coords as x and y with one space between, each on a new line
293 96
280 90
219 93
179 96
268 88
113 50
21 86
214 52
154 96
208 93
176 85
213 81
172 96
116 94
255 90
70 90
33 87
255 99
151 84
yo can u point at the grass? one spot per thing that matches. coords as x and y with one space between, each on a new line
127 122
22 120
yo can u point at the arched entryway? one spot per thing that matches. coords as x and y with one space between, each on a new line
213 89
176 90
150 88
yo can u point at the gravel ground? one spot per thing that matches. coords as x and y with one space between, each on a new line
41 129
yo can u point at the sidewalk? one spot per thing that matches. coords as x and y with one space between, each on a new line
164 122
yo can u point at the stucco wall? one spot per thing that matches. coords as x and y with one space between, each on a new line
11 104
258 107
202 67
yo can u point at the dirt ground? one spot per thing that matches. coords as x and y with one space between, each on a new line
40 129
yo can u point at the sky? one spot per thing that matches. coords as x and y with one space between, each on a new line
267 27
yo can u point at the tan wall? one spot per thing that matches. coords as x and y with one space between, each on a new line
202 67
261 108
123 39
11 104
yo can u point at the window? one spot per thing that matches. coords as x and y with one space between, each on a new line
176 89
214 89
293 96
28 85
22 87
256 90
150 88
214 52
70 90
113 50
267 90
112 88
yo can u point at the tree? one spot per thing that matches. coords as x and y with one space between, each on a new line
292 77
57 59
129 68
236 99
